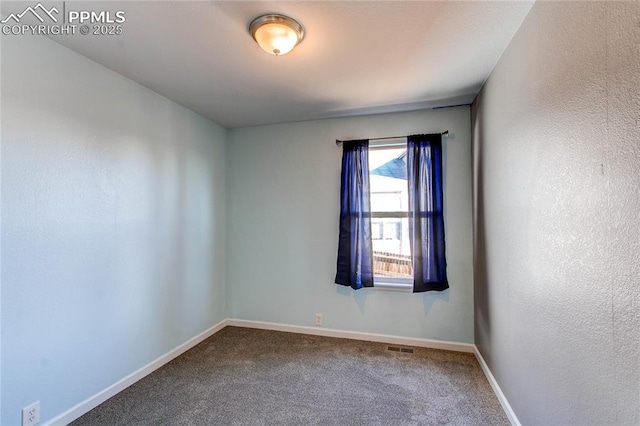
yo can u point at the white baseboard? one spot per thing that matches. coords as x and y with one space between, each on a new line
97 399
496 388
355 335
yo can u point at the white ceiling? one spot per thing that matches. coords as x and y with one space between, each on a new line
357 57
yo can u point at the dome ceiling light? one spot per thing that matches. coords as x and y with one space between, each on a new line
276 34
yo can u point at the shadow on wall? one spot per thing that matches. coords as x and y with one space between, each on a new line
430 297
480 290
360 297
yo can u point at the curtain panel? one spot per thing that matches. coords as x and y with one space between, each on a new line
426 215
355 254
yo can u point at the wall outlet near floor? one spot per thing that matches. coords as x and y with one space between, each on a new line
318 319
31 414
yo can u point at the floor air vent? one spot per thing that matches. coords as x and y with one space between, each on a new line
399 349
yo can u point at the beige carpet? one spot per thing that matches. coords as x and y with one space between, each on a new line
255 377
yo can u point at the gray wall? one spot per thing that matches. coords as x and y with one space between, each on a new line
113 226
556 217
283 210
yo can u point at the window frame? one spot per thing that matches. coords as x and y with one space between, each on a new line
390 283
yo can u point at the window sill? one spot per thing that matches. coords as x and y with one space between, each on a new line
404 287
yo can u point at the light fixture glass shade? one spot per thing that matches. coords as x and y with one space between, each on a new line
276 34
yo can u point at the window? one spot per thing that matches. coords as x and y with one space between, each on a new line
391 202
377 230
389 215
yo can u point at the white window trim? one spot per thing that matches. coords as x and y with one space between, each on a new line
388 143
404 285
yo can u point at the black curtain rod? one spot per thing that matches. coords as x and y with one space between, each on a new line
339 142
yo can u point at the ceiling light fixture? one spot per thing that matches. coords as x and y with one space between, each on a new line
276 34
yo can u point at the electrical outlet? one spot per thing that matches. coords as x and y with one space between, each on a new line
31 414
318 319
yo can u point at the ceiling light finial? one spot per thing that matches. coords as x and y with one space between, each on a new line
276 34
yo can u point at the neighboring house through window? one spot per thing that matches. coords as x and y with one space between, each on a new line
389 214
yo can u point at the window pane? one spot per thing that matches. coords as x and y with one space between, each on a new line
388 179
390 235
376 230
391 253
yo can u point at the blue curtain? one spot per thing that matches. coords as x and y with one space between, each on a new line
355 255
426 218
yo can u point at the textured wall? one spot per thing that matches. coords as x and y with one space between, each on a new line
113 226
556 219
284 206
